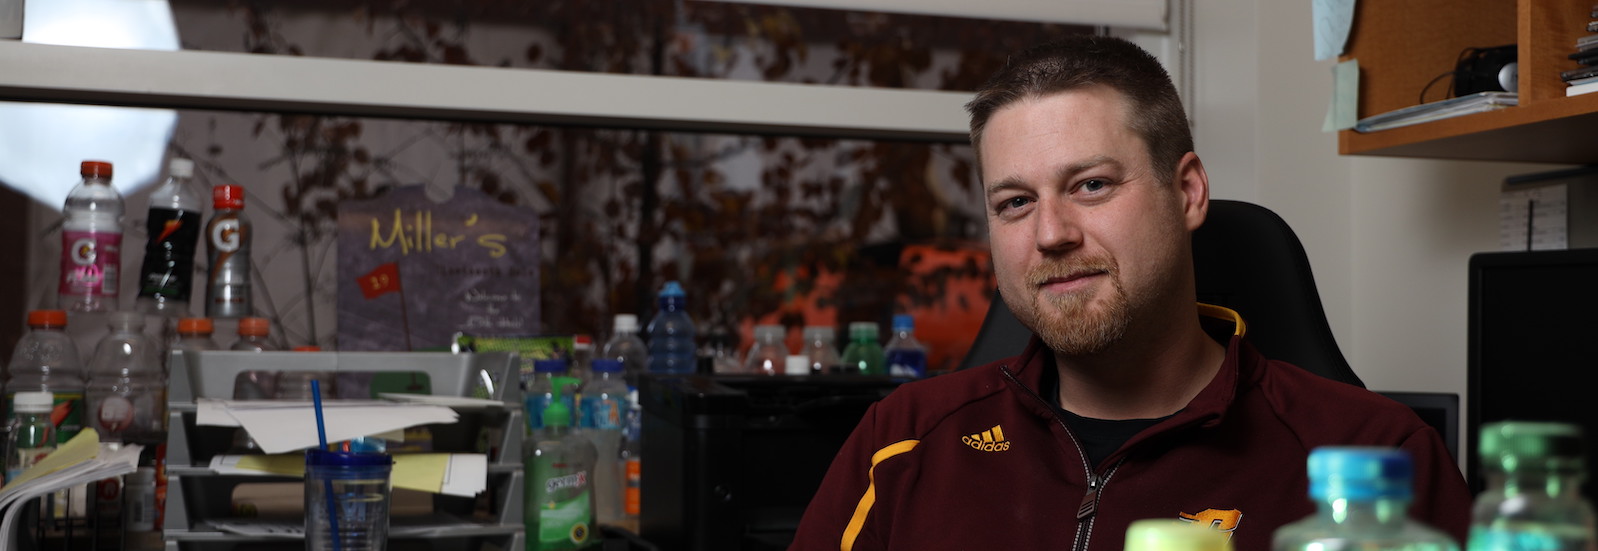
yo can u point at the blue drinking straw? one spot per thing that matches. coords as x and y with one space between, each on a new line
321 435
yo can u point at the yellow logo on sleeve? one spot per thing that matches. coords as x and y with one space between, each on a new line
1223 520
991 440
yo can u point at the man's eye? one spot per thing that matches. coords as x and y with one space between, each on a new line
1013 202
1095 185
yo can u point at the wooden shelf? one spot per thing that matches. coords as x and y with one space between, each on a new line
1403 45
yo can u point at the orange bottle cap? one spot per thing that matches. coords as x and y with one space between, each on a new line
47 318
95 168
195 325
254 327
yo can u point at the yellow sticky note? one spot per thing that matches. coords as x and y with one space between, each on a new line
286 464
420 471
83 447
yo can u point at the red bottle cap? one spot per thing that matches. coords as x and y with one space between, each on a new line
308 348
227 197
90 169
195 325
47 318
254 327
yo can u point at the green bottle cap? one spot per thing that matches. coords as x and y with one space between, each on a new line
863 330
1520 446
1173 535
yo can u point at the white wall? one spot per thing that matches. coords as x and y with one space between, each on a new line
1389 239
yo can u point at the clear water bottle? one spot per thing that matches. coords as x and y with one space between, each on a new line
769 354
559 464
194 336
1175 535
905 355
1533 500
671 334
625 346
603 418
821 347
91 242
46 360
126 392
173 225
632 464
863 356
227 236
253 336
32 435
582 357
1361 500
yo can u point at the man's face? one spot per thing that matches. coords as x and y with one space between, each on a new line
1086 239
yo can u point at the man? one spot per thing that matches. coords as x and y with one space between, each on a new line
1133 401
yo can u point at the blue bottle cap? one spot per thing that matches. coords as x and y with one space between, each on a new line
324 458
672 289
554 365
606 365
903 322
1360 473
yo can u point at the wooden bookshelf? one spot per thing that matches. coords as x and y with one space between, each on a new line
1403 45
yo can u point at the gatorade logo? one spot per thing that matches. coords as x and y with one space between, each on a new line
169 228
991 440
83 253
1224 520
225 235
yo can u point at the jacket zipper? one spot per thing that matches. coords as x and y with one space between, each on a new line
1090 501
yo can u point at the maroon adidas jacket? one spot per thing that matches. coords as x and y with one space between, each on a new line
978 459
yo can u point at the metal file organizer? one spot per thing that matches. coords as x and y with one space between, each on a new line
198 497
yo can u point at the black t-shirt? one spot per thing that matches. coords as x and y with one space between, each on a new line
1099 437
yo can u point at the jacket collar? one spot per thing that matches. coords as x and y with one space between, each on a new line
1206 409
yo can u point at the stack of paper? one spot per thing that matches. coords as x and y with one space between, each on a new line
1438 110
80 461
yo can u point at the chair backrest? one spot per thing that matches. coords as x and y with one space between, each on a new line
1245 258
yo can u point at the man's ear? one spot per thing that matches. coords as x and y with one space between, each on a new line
1194 186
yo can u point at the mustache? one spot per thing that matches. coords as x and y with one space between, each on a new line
1054 269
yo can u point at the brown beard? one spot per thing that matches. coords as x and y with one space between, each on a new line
1072 328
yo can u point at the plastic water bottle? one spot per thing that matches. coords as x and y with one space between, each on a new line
126 392
32 434
863 356
1361 500
46 360
253 335
632 462
671 334
625 346
603 417
769 354
905 355
91 242
227 236
821 347
173 224
582 357
1533 500
194 336
559 466
1174 535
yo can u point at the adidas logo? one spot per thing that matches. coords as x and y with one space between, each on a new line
991 440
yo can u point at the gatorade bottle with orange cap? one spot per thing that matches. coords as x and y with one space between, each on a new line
46 360
91 242
194 335
228 238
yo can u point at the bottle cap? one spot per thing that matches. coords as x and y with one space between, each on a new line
582 342
553 365
195 325
227 197
34 402
254 327
606 365
769 333
93 169
815 333
180 167
626 323
672 289
308 348
47 318
123 320
1518 446
903 322
1174 535
862 329
796 364
1360 473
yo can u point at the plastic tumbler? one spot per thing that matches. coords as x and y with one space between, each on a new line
346 500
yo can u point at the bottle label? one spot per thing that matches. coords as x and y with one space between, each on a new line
907 363
632 495
89 263
228 283
559 504
603 413
67 414
25 458
168 269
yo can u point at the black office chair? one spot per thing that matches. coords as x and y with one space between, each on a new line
1246 258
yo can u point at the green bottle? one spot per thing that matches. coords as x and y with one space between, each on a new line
1533 500
863 356
559 470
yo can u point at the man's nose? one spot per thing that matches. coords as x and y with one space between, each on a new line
1058 229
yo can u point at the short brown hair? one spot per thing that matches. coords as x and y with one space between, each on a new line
1085 60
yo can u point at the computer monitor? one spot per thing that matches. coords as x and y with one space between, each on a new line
1533 317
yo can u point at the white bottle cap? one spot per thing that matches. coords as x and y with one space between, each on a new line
180 168
797 364
34 402
626 323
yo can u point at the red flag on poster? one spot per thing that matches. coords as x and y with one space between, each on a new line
385 279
